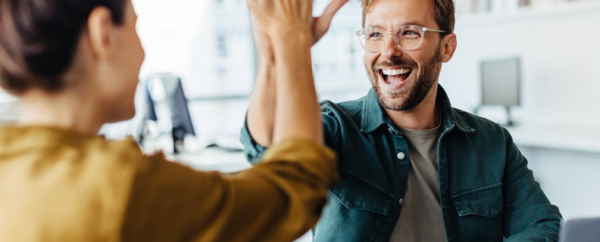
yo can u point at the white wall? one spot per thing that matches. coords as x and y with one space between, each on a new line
559 49
167 29
5 97
182 36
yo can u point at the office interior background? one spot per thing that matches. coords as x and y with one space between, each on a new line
209 45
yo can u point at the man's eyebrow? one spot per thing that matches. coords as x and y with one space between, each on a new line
412 23
376 26
405 23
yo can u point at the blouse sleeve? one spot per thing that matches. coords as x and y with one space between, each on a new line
277 200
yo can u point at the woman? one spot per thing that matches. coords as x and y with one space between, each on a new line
75 64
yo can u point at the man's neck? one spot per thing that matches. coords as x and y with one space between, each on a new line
424 116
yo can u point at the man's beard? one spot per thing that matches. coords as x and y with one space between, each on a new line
416 92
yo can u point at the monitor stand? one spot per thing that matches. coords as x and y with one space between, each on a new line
509 119
178 135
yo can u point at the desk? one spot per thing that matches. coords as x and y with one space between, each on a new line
557 137
213 160
565 161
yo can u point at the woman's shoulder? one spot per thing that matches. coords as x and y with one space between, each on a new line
68 177
57 146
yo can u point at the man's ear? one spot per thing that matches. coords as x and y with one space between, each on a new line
100 32
448 47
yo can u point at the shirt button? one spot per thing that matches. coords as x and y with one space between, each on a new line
401 201
401 156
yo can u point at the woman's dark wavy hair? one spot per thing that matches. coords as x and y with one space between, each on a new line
38 39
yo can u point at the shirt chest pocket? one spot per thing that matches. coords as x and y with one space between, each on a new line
355 211
480 213
357 192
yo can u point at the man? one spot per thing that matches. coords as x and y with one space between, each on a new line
412 168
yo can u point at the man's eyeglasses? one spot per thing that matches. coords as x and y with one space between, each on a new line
407 37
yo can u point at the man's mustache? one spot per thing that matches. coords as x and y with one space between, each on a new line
395 62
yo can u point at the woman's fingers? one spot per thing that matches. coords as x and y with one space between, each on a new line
280 15
322 23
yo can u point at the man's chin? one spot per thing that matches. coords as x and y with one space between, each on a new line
396 103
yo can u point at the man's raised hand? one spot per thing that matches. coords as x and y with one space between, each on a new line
321 24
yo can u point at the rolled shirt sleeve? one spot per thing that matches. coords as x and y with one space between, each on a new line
252 150
331 134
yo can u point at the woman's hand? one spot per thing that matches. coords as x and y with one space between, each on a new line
281 18
263 43
320 26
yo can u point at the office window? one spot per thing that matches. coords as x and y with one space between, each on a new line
222 45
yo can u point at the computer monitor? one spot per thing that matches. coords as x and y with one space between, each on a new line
500 83
149 110
149 114
581 230
180 114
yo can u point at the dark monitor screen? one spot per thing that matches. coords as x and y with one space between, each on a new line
500 82
178 103
180 113
150 111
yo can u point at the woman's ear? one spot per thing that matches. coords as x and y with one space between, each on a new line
448 47
99 32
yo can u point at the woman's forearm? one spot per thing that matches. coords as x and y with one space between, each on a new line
297 110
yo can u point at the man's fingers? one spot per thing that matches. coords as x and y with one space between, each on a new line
331 10
322 23
251 4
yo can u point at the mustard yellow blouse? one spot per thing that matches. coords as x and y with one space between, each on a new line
56 185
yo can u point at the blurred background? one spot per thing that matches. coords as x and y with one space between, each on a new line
538 57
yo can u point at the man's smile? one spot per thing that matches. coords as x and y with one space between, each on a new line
394 79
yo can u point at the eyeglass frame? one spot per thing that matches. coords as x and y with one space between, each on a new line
423 30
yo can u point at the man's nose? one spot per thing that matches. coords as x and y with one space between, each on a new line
390 49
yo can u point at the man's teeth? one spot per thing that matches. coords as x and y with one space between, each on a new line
395 72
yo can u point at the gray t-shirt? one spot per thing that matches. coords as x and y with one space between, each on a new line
421 215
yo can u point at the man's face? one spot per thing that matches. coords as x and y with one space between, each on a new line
420 67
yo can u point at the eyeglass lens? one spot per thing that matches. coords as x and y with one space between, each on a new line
407 37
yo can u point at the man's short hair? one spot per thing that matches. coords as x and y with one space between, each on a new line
444 13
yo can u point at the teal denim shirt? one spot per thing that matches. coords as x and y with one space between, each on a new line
486 190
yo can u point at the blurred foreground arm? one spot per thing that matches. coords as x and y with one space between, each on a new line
277 200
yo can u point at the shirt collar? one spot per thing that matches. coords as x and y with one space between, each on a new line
373 115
